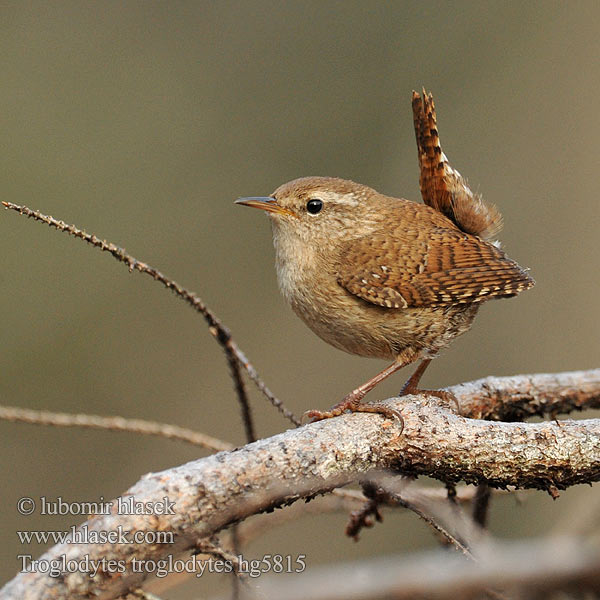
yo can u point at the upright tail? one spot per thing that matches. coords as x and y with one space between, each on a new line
442 187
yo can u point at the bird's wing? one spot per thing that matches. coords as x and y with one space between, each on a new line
444 269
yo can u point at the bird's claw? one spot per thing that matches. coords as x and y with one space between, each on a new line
353 405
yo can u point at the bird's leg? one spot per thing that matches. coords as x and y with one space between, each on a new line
411 386
353 401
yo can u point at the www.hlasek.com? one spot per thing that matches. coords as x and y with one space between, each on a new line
83 535
269 563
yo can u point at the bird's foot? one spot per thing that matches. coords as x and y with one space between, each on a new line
444 395
352 403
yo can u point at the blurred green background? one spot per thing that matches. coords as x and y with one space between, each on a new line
143 121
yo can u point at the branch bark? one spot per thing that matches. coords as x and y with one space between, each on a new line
523 396
215 492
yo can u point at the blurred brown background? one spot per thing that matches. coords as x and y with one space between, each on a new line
142 122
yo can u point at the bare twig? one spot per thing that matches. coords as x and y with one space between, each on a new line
250 437
531 569
345 500
380 490
464 493
220 332
362 517
114 423
393 498
236 546
214 492
212 547
260 384
481 505
258 524
242 394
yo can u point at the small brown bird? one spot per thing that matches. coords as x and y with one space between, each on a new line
386 277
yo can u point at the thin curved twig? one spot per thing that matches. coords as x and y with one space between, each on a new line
377 495
235 357
113 423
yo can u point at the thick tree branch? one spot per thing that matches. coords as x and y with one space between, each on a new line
217 491
522 396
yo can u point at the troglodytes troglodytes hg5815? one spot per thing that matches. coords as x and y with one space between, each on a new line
385 277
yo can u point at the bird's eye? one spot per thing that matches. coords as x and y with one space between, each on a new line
314 206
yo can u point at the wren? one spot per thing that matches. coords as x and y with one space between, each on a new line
385 277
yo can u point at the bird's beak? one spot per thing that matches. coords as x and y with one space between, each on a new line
268 204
